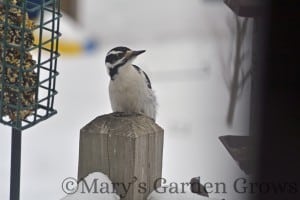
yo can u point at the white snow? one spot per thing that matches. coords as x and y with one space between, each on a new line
161 195
90 189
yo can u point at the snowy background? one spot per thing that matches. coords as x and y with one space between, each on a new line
183 40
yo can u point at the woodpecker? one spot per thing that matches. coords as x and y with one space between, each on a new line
130 88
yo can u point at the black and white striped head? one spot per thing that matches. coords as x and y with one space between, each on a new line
120 56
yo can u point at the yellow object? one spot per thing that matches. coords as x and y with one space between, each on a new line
65 47
69 47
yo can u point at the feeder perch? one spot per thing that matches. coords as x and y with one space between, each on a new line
28 61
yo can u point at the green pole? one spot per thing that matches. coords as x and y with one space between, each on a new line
15 171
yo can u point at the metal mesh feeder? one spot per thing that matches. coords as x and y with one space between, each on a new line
29 53
28 60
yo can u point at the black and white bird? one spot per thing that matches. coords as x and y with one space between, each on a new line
130 88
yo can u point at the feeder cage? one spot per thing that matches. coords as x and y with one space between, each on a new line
29 52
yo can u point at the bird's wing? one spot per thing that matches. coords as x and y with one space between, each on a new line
147 79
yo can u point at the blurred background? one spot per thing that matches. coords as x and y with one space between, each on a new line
190 58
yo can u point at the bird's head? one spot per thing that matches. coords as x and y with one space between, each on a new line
120 56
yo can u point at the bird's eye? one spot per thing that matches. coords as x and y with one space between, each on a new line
121 55
112 58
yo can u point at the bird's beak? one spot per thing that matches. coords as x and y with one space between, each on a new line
136 53
133 54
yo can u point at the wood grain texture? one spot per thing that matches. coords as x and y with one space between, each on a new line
128 148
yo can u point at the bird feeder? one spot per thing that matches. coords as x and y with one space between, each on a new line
28 61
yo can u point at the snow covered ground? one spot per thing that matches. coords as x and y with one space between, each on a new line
183 62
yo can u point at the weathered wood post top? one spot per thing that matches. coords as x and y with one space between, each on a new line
128 148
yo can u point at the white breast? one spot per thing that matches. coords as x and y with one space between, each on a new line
129 93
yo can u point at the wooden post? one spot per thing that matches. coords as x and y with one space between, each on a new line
128 148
